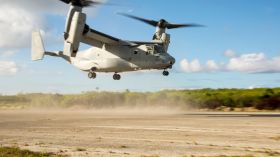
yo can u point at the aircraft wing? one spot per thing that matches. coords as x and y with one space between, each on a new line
93 37
144 42
96 38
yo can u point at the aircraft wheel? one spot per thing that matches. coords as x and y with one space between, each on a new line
91 75
165 73
116 77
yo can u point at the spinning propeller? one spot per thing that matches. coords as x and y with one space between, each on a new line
161 23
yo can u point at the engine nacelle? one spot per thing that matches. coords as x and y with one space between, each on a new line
74 36
166 40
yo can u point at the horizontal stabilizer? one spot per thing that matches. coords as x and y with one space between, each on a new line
38 50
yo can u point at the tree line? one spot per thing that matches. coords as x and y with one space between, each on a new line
213 99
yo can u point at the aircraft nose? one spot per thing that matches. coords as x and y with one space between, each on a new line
172 61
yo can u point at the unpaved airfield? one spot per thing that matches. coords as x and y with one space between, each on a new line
134 134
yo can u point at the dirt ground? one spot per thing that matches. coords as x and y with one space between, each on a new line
87 133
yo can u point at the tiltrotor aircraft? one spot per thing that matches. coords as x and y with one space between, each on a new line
109 54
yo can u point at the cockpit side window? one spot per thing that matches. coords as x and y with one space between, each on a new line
158 49
155 49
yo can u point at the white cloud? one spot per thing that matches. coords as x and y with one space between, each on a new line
41 7
193 66
7 53
255 86
254 63
16 26
8 68
212 66
230 53
247 63
18 18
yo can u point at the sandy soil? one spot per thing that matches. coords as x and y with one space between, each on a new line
85 134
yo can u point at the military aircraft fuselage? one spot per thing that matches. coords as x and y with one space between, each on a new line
120 59
108 53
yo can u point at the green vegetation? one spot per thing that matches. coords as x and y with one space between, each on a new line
16 152
220 99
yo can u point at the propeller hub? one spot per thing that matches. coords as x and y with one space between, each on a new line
162 23
81 3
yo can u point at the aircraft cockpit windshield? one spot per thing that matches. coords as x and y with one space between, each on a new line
155 49
159 49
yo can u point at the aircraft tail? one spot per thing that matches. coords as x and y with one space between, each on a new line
38 50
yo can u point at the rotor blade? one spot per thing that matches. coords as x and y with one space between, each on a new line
150 22
173 26
66 1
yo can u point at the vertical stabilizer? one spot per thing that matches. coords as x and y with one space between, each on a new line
38 50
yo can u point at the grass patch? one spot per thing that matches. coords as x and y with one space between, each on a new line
236 156
17 152
39 143
81 149
123 146
226 156
277 138
271 153
112 152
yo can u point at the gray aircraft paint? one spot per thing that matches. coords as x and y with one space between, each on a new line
107 54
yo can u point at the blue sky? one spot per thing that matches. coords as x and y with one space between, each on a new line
249 29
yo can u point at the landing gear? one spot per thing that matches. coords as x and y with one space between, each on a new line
165 73
92 75
116 76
